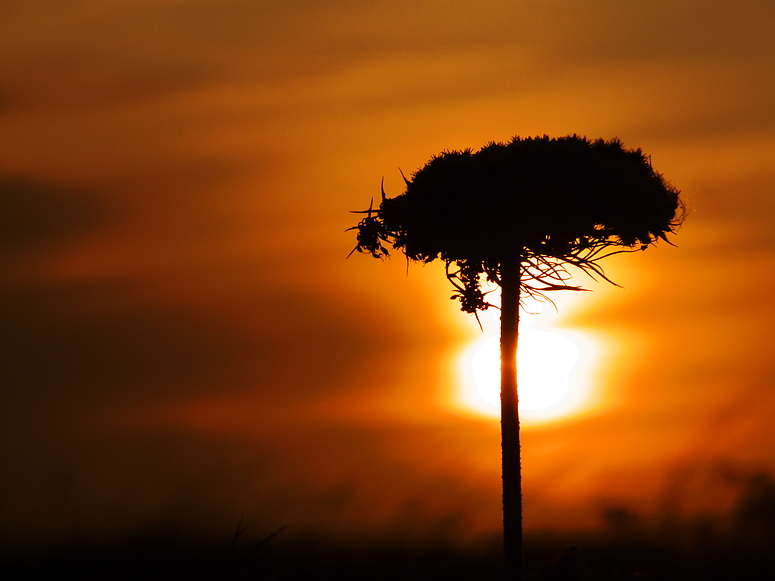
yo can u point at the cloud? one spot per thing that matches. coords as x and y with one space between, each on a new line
38 217
102 344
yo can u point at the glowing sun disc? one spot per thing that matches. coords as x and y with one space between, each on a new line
545 365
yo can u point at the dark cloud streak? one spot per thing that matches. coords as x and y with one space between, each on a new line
38 217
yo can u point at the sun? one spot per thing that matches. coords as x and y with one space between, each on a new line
552 372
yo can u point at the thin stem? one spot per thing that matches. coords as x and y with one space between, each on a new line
510 446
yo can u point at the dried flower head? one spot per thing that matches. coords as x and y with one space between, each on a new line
541 202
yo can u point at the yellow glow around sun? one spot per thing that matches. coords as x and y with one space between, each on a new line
553 370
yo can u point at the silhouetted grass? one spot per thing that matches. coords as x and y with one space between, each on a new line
549 556
739 545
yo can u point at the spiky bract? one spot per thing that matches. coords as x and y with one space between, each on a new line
543 202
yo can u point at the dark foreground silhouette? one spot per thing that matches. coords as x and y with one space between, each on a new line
702 550
516 214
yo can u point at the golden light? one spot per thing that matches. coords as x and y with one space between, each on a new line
554 368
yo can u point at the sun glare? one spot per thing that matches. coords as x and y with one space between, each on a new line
552 371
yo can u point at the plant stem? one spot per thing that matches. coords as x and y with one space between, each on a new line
510 447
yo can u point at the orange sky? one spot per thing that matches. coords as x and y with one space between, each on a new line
185 341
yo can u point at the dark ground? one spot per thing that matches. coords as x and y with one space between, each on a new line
549 556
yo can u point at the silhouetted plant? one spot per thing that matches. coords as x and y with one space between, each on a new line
516 214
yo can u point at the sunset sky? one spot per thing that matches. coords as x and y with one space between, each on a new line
185 342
